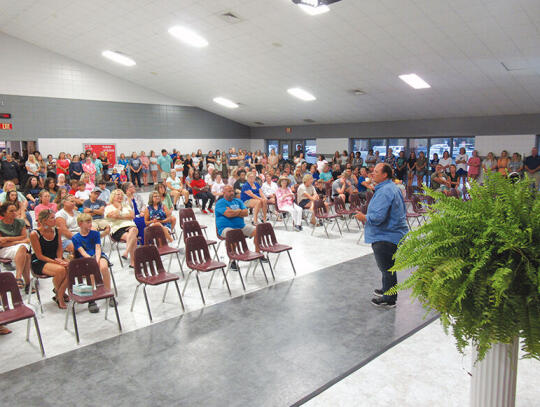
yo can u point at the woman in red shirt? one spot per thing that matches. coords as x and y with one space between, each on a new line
202 191
62 164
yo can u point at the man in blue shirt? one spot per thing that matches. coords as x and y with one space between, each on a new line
385 225
164 163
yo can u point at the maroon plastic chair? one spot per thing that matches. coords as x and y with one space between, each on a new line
454 193
34 286
16 311
417 206
411 217
81 271
265 238
238 251
321 214
193 228
5 261
281 216
149 270
155 235
115 244
355 202
186 215
341 210
369 195
198 259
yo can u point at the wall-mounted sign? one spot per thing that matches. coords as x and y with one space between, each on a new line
288 130
6 126
5 115
109 149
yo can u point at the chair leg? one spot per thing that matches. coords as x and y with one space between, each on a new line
113 281
211 278
169 266
240 274
247 272
119 256
165 292
179 295
179 238
264 272
117 316
292 264
200 288
277 258
180 264
186 283
106 308
226 281
67 316
39 336
325 229
216 253
339 228
271 269
147 303
75 323
134 296
28 329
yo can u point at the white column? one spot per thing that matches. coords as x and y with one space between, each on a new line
494 378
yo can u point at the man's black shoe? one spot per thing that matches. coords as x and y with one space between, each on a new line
378 293
382 303
234 266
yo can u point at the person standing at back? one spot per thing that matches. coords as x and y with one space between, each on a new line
532 166
385 226
164 163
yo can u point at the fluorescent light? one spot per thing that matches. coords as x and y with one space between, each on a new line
188 36
225 102
301 94
118 57
313 10
415 81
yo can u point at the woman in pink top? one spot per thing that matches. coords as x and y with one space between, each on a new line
474 164
90 169
285 202
44 203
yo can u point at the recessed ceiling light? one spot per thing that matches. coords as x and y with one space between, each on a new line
301 94
188 36
415 81
314 10
225 102
118 57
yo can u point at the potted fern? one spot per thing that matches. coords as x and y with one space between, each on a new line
477 264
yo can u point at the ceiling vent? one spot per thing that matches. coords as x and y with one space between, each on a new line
230 17
259 123
309 120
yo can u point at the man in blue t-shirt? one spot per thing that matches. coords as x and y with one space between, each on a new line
87 243
164 163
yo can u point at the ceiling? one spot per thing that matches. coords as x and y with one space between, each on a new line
455 45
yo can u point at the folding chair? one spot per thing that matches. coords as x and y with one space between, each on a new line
81 271
238 251
155 235
149 271
12 308
321 214
267 242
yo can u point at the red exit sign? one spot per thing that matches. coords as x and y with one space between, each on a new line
6 126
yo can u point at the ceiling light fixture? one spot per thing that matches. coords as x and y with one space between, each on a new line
225 102
118 57
188 36
414 81
301 94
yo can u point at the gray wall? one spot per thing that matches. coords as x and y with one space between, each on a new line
463 126
41 117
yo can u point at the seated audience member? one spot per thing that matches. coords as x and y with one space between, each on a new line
50 185
202 191
115 177
158 214
314 172
336 171
136 203
298 176
12 197
320 188
95 207
453 177
14 243
47 258
44 203
165 197
285 202
233 178
8 187
87 243
210 176
120 216
439 180
61 182
176 189
240 182
364 182
269 188
287 173
341 187
10 169
66 222
89 184
82 194
31 192
253 198
62 193
105 194
306 195
123 178
326 174
74 187
217 187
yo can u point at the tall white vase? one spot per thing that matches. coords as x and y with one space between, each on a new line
494 378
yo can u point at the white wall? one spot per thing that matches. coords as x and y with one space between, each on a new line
75 145
328 146
519 143
28 70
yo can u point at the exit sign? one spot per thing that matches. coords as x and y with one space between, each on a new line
5 115
6 126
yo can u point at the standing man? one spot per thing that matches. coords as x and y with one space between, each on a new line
164 163
385 225
532 166
10 170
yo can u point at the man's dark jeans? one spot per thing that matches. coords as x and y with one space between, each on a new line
383 252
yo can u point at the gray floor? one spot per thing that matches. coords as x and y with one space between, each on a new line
273 347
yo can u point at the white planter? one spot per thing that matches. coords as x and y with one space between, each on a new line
494 378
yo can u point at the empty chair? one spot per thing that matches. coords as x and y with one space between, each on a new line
198 259
417 206
12 308
149 271
185 215
155 235
322 215
193 228
267 242
238 251
82 271
341 210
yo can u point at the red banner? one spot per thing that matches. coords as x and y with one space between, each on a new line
6 126
109 149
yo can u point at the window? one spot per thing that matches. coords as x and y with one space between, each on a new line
273 145
439 146
379 145
465 142
397 145
361 145
285 149
418 145
310 151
